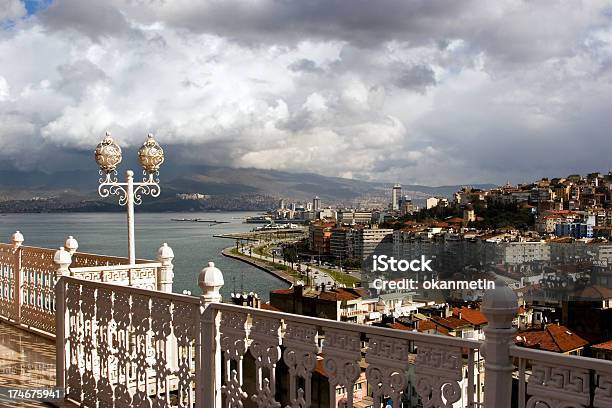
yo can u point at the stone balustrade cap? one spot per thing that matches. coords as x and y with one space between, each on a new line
62 257
71 244
500 298
165 251
17 237
209 277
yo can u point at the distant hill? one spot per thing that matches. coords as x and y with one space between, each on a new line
227 188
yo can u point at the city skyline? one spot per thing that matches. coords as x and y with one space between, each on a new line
417 93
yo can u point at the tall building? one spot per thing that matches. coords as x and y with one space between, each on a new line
407 206
353 216
341 243
281 204
396 194
432 202
316 203
370 240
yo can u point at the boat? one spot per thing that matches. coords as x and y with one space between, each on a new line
259 219
211 222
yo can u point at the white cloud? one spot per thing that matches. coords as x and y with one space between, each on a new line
416 93
11 10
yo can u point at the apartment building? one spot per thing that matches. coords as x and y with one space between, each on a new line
369 240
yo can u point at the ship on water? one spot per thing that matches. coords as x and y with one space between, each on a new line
259 219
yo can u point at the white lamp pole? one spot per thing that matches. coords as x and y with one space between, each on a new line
108 156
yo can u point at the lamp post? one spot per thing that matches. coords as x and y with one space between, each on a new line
108 156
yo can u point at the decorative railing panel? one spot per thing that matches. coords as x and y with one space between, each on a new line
8 294
28 276
119 339
142 276
550 380
128 347
134 347
37 284
84 260
339 350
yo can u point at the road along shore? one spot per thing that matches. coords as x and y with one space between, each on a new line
259 264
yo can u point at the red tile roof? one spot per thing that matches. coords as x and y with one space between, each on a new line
473 316
398 326
267 306
603 346
283 291
450 323
594 292
427 325
553 338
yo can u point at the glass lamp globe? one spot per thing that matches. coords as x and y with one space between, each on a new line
108 154
150 155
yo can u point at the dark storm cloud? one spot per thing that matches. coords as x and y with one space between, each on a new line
77 76
93 18
515 31
304 65
417 78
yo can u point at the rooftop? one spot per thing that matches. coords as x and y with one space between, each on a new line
554 337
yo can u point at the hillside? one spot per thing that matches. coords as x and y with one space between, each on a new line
227 188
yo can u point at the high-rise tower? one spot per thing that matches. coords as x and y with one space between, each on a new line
316 203
396 194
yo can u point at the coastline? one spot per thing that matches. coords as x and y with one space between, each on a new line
285 277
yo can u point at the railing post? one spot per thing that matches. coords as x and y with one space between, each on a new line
17 241
62 259
61 323
71 245
208 375
165 274
500 307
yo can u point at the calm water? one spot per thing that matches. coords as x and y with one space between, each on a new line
192 242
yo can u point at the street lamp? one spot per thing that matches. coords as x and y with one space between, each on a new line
108 156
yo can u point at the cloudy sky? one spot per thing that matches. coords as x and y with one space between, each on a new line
416 91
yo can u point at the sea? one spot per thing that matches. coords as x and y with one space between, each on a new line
192 242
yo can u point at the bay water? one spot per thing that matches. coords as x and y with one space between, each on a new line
192 242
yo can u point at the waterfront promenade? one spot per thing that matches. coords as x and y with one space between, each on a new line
285 272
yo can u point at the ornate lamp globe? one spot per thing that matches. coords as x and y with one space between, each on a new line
150 155
108 154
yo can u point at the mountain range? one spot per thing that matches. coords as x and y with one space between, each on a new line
225 189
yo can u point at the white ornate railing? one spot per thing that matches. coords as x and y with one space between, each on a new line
124 347
116 340
8 291
548 380
28 276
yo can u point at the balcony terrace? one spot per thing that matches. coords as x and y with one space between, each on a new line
123 339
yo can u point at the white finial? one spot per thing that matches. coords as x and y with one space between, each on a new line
17 239
71 245
165 252
62 259
210 281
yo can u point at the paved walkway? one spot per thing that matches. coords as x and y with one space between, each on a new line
26 361
318 278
